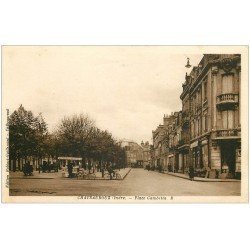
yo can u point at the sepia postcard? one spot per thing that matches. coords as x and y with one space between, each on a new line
125 124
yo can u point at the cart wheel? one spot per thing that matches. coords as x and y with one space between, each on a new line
92 177
118 176
106 176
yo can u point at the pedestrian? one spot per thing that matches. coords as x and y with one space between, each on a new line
70 169
176 168
49 166
207 171
102 170
31 169
110 170
191 173
169 167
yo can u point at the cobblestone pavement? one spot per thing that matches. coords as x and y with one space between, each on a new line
137 182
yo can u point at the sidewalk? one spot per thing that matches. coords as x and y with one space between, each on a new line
184 176
36 175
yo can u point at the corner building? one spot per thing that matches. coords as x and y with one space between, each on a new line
211 114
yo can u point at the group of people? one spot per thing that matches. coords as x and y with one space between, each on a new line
110 167
48 167
28 169
44 167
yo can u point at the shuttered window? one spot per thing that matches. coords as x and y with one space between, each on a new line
228 119
227 84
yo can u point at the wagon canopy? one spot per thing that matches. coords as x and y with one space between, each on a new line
70 158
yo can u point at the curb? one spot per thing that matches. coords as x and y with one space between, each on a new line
126 174
37 178
99 178
205 180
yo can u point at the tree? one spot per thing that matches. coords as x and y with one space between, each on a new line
27 134
79 136
75 134
41 137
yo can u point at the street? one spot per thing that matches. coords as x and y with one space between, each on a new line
137 182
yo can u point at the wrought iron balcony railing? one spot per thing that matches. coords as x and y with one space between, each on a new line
227 100
228 133
198 107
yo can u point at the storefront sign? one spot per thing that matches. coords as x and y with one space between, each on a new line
194 144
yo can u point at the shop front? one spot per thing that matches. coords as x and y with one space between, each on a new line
230 158
171 163
195 152
204 154
200 156
183 159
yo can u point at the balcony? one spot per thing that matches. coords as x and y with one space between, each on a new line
227 101
228 134
183 143
185 121
198 108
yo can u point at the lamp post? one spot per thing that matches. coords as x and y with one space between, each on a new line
189 162
188 65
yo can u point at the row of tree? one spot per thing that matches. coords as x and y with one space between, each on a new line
76 136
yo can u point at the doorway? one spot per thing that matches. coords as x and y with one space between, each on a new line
228 154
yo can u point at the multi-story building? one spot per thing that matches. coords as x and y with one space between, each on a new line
165 140
146 154
159 145
184 144
175 162
207 132
134 153
213 92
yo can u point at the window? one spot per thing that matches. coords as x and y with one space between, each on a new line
199 96
205 123
192 129
227 84
228 119
199 127
205 90
196 127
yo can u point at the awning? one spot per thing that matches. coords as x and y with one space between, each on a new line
70 158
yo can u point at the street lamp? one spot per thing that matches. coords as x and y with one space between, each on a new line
188 65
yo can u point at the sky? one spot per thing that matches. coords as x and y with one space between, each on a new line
124 89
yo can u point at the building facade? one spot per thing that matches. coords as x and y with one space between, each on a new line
215 131
134 154
165 142
206 133
159 146
146 154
